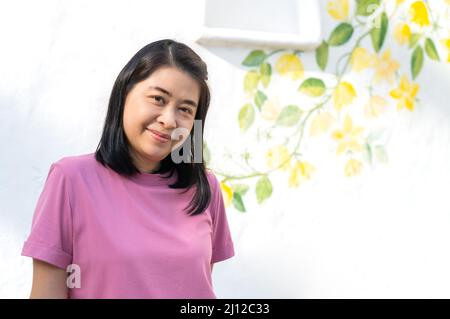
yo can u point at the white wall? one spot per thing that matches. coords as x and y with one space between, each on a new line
382 234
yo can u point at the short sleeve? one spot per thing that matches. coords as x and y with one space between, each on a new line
50 238
223 247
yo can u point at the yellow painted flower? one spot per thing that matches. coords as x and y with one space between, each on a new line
419 13
278 155
348 137
338 9
343 94
301 171
405 93
353 167
362 59
321 123
385 67
446 44
375 106
402 33
227 194
290 65
271 109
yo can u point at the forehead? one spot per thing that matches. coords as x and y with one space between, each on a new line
180 84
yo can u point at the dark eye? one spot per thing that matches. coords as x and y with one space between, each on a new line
186 110
158 98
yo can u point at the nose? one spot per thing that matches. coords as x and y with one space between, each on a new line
167 118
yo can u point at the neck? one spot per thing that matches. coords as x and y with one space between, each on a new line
145 166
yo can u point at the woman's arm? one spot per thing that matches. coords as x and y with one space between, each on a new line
49 282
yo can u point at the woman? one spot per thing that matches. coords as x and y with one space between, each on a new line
128 221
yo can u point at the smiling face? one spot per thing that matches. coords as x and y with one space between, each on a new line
164 101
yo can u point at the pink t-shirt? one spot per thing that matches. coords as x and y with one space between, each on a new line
129 236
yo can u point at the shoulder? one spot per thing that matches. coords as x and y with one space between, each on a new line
76 164
212 179
216 191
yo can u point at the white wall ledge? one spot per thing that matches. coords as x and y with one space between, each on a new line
295 24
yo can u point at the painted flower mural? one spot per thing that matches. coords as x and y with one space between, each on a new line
355 72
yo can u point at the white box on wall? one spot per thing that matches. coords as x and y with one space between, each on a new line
261 23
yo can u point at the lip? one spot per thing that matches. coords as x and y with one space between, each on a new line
160 136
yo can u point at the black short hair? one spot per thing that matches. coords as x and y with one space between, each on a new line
112 150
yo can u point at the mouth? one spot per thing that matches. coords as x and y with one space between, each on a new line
160 137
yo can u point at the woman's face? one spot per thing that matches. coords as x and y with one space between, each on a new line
165 101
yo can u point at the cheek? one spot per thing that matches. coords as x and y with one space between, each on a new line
187 125
129 124
185 132
135 117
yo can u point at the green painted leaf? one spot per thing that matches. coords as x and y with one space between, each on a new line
254 58
238 203
378 32
413 39
263 189
251 81
380 153
313 87
430 49
367 153
366 7
240 188
416 61
375 135
266 72
322 55
206 154
246 116
289 115
341 34
260 98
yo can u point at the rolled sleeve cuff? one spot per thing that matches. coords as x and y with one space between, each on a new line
49 254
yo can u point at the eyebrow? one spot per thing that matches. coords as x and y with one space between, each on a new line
190 102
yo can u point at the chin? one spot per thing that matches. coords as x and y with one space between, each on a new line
155 155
